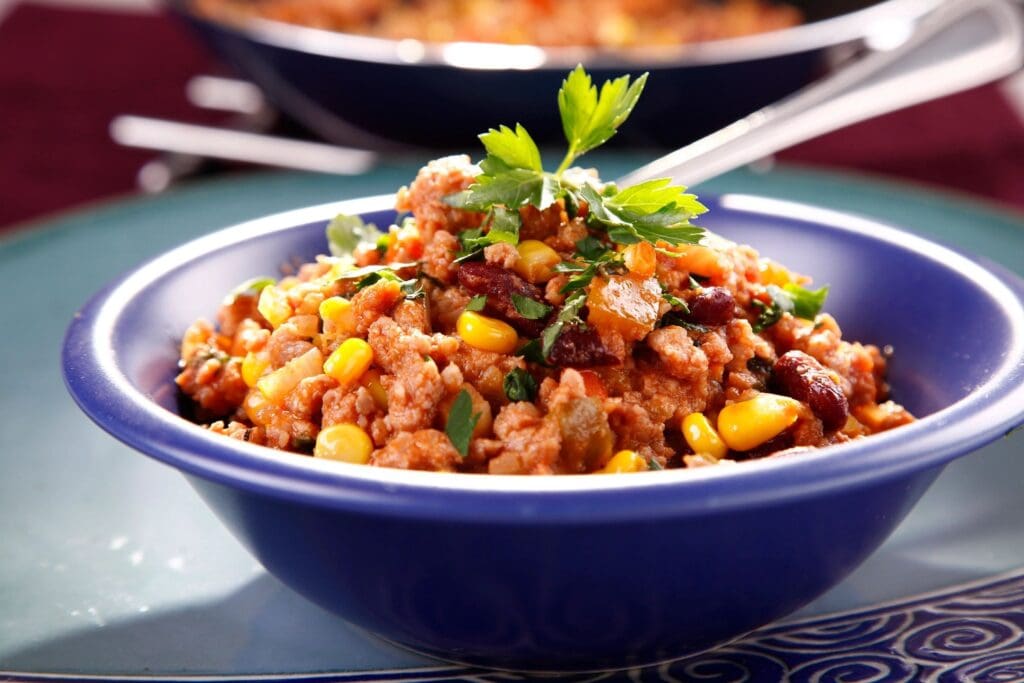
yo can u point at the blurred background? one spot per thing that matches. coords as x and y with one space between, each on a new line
68 68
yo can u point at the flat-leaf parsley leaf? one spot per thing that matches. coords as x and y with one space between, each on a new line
461 422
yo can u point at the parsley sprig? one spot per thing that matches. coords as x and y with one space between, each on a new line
512 175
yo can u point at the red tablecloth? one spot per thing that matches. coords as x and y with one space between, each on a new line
65 73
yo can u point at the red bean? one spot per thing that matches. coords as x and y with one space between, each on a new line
499 285
579 348
712 306
801 376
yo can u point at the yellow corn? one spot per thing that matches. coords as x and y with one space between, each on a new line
640 259
349 361
750 423
773 273
486 334
338 316
702 437
253 366
536 261
277 384
346 442
625 461
371 380
273 305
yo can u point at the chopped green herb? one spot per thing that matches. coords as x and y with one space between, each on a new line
531 351
528 308
675 302
461 422
792 299
477 303
570 314
345 233
519 385
653 463
591 248
411 288
252 286
807 303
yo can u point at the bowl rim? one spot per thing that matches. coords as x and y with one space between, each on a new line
824 33
106 395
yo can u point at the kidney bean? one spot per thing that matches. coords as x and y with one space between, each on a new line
579 349
499 285
712 306
801 376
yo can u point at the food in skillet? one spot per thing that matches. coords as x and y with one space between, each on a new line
532 322
608 23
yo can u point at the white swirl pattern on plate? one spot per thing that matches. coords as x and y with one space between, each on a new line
974 632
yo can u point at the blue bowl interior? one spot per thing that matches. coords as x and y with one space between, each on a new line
946 331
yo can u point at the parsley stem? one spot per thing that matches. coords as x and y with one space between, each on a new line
570 157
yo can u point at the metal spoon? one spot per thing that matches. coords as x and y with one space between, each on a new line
956 46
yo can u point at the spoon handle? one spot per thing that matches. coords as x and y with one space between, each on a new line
958 45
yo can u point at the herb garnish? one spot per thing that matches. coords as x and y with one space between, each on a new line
528 308
252 286
570 314
369 275
346 233
477 303
790 298
461 422
519 385
513 175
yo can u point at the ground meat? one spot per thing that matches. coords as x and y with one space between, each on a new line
242 308
501 254
568 234
681 358
439 257
446 304
353 405
540 225
414 385
214 381
485 369
425 449
373 302
425 196
306 399
635 430
411 316
240 431
527 442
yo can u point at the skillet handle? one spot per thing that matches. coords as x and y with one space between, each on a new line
956 46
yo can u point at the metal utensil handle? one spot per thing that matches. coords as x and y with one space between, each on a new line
236 145
958 45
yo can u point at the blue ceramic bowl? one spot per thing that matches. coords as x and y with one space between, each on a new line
575 572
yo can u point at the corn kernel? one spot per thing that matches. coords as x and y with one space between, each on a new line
371 380
349 361
702 437
273 305
338 316
277 384
625 461
750 423
345 442
640 259
253 366
536 261
486 334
